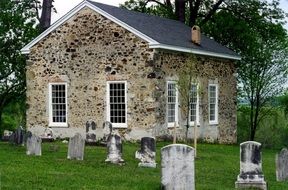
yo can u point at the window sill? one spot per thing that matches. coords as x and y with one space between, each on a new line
193 124
58 125
172 125
213 123
119 125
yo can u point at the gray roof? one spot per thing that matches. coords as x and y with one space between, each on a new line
164 31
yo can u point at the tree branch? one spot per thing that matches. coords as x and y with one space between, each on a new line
215 7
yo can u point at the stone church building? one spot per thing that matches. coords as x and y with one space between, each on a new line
104 63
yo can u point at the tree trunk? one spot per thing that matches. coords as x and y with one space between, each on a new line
252 132
180 10
193 10
255 119
45 19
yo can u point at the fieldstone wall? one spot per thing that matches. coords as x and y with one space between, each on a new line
88 50
211 71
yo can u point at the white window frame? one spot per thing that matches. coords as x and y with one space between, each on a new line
116 125
171 124
197 108
215 121
57 124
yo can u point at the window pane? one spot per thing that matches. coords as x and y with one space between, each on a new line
171 102
58 103
212 102
193 102
117 102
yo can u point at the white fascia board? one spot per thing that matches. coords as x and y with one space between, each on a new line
26 49
195 51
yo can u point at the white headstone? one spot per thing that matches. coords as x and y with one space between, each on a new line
76 147
114 148
251 174
178 168
282 165
33 144
147 153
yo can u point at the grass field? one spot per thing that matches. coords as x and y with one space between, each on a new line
217 167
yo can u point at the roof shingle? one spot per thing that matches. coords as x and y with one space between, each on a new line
165 31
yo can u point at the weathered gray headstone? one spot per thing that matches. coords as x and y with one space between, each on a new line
12 138
33 144
91 132
107 130
282 165
251 174
114 148
18 136
147 153
178 168
48 135
76 147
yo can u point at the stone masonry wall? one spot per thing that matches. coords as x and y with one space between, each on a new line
87 51
210 71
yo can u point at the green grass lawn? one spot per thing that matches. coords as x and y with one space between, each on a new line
217 167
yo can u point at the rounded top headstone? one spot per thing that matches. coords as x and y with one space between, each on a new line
250 142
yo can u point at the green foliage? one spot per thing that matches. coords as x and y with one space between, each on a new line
144 6
13 116
17 21
259 36
217 167
283 100
273 128
187 75
196 11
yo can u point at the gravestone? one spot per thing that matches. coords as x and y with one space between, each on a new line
177 167
282 165
12 138
6 135
114 149
147 153
91 132
33 144
18 136
107 130
76 147
48 135
251 175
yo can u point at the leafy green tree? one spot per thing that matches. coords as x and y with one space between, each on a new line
189 11
17 28
187 76
284 102
259 36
